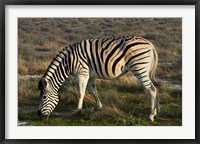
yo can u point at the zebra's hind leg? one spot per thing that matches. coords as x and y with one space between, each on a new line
154 102
158 103
143 77
93 89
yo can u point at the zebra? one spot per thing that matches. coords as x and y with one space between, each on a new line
105 58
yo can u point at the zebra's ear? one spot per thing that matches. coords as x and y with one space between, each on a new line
42 83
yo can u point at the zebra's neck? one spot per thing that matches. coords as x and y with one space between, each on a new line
57 72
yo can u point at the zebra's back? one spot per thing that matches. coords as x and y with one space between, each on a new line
111 57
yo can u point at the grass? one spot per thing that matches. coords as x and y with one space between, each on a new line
22 69
125 103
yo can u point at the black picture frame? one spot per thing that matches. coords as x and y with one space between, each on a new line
4 3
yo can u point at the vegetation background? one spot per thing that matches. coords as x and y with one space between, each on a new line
125 102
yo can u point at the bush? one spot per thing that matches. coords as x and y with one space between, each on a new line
40 40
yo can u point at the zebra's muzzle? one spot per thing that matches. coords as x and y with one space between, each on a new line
41 116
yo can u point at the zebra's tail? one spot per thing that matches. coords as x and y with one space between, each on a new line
154 65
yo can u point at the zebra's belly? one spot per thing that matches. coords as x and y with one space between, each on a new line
118 74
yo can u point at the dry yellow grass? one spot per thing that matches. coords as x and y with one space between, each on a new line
22 68
41 66
52 45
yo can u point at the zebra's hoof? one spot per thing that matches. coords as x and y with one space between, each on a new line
151 117
99 107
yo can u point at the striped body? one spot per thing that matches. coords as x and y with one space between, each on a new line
106 58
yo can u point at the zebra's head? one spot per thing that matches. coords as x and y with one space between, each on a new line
48 99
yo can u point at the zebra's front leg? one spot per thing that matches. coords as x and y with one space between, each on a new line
82 82
93 89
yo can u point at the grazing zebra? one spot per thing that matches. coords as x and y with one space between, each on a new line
106 58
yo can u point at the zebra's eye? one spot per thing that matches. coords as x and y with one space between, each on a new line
44 97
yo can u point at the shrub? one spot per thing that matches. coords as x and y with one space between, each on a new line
40 40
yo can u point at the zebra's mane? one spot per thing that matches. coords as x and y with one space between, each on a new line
42 84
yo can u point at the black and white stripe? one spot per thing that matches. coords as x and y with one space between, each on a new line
105 58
